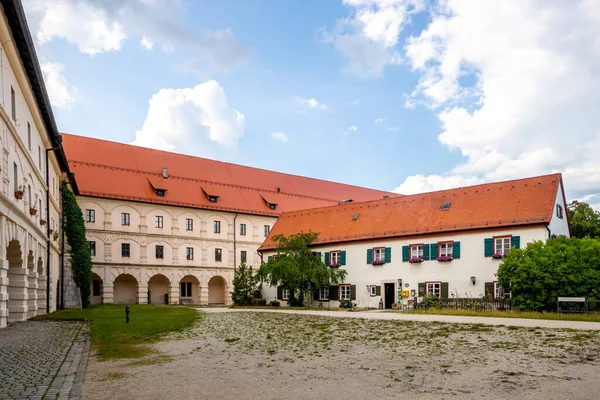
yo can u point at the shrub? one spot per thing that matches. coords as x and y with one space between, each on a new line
274 303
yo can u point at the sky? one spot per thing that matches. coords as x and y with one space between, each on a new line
399 95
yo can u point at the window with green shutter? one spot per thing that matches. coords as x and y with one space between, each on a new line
405 254
426 252
343 257
353 292
334 293
433 251
422 289
489 289
388 254
456 250
444 290
378 291
516 242
327 258
369 256
488 246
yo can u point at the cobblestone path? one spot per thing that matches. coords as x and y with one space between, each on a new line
43 360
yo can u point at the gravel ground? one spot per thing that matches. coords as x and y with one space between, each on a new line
257 355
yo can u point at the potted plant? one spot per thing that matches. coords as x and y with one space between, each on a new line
394 306
42 222
32 210
334 265
378 262
497 255
445 258
55 236
415 260
19 192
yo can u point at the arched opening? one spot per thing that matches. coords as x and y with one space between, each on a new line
97 289
158 289
216 290
189 290
18 283
125 289
32 291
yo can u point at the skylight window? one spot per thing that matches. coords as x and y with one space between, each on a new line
446 206
355 217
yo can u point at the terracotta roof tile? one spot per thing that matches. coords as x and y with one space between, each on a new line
115 170
517 202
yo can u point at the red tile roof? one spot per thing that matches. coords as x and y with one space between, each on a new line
121 171
518 202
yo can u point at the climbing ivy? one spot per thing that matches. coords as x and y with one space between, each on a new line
81 259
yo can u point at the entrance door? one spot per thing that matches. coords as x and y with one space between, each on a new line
389 294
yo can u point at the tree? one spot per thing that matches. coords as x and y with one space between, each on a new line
81 258
583 219
543 271
246 286
297 268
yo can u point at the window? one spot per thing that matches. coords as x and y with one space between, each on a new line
559 211
185 289
92 248
502 245
373 290
217 226
160 251
212 199
189 253
95 287
344 292
189 224
13 104
335 258
125 219
446 249
433 288
243 256
267 230
160 192
16 177
159 221
125 249
242 229
324 293
218 254
379 254
499 292
90 215
29 136
285 294
416 251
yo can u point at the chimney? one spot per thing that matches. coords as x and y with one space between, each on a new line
165 173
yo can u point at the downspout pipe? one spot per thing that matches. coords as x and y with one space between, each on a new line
57 147
234 244
549 231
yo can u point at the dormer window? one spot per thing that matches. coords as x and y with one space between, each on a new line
212 199
160 192
156 186
272 206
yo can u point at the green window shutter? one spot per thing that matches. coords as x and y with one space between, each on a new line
516 242
405 253
433 252
279 292
269 258
422 289
334 293
388 254
369 256
327 258
444 290
319 256
343 257
353 292
456 250
377 290
488 247
426 252
489 289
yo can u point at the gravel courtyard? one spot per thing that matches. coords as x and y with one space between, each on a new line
255 355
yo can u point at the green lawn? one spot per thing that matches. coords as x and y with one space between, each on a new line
509 314
113 338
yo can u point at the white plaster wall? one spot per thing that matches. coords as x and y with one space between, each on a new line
559 226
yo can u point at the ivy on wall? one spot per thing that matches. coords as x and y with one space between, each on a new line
81 258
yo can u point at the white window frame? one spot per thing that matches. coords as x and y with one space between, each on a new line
335 257
497 289
189 253
189 224
504 242
433 289
446 249
242 229
379 254
285 294
90 215
324 293
125 219
92 245
158 222
416 251
219 251
345 292
217 226
373 289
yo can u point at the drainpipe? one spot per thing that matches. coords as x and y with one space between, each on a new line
234 244
48 224
549 231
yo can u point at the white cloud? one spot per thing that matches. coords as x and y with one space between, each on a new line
379 120
420 183
515 87
281 136
368 38
312 103
351 129
147 43
61 94
191 120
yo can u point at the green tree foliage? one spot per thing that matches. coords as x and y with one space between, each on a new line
81 259
583 219
298 269
246 286
543 271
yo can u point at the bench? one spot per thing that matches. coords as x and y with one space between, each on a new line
571 300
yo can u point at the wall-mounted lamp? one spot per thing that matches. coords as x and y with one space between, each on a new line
473 280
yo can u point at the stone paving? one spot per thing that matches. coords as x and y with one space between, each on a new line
43 360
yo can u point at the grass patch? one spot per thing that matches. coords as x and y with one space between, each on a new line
113 338
161 359
510 314
113 376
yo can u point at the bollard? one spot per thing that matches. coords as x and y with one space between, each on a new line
127 311
381 304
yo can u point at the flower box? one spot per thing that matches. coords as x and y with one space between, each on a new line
378 262
445 258
19 194
415 260
334 265
42 222
32 211
497 256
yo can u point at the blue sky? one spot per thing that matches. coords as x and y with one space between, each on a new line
407 95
